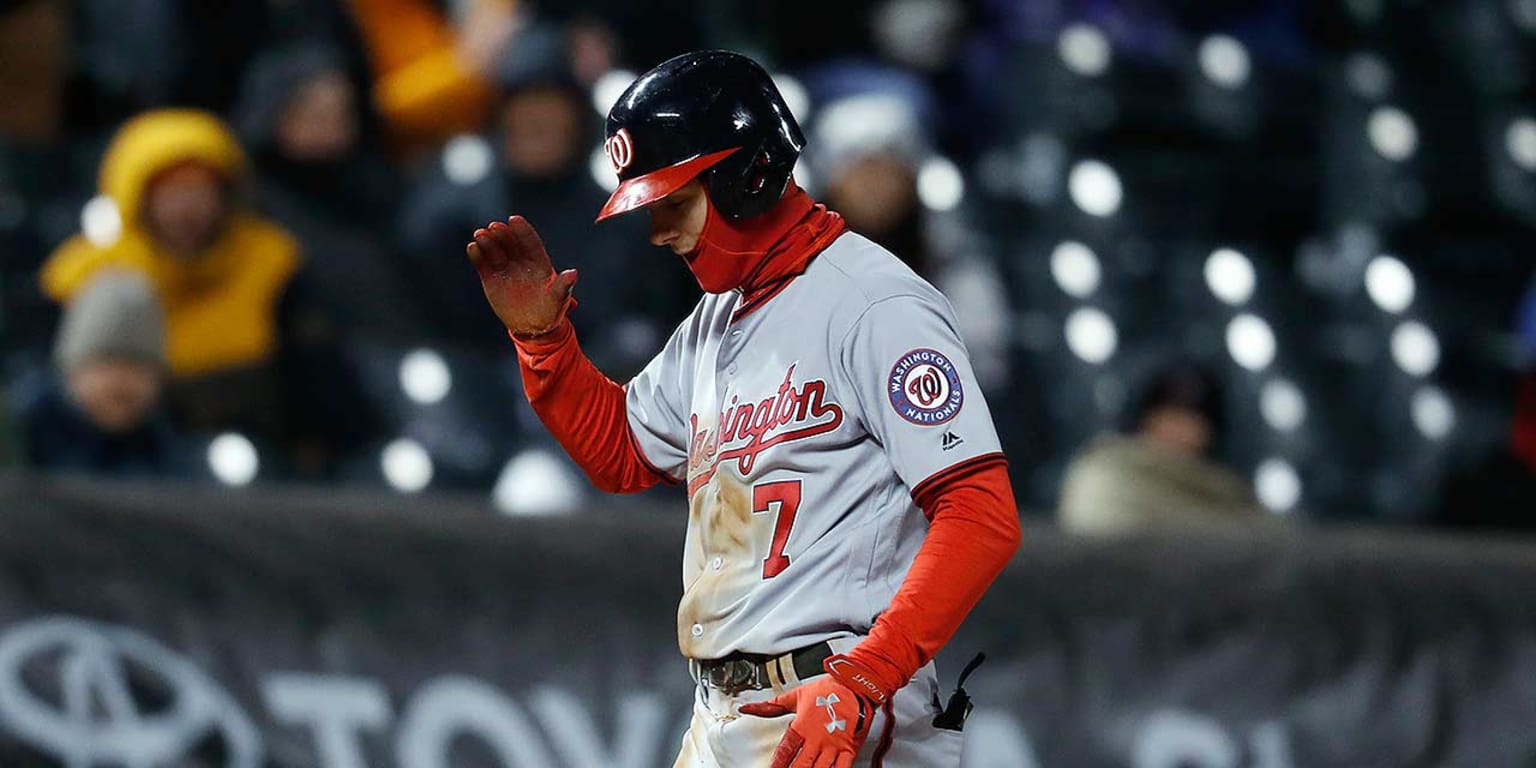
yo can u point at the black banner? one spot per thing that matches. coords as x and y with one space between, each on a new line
141 627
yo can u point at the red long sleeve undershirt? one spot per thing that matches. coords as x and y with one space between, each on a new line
972 534
584 410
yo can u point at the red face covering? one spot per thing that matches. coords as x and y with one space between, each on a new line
755 254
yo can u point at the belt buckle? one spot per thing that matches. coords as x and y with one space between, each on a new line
734 676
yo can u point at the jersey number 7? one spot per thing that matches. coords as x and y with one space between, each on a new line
785 495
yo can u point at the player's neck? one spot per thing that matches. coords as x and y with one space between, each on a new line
751 254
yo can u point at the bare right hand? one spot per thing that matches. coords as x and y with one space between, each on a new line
519 281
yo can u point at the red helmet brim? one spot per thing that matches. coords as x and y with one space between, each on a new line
644 190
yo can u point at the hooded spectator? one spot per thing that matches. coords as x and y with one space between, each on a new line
319 176
536 164
241 338
101 414
1161 473
868 150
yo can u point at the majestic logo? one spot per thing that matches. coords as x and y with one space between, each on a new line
621 150
951 440
833 723
95 694
746 429
925 387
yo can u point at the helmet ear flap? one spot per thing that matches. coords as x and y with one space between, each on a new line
757 173
741 186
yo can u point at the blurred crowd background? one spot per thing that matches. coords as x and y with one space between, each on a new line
1215 261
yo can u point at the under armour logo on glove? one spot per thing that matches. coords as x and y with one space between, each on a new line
833 724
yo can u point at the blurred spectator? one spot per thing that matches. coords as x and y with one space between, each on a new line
538 166
34 64
303 122
245 349
1161 474
868 150
431 70
101 414
37 176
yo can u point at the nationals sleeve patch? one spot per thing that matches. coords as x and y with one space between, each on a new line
925 387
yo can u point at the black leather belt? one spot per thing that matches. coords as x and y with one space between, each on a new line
755 672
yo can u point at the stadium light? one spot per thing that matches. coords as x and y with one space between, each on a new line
232 458
1230 276
407 466
424 377
1251 342
1392 133
940 186
1389 283
1282 405
1091 335
1075 268
1095 188
1277 485
1084 49
1225 61
468 159
100 221
1433 413
1415 348
609 87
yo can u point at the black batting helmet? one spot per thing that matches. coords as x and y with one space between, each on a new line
714 113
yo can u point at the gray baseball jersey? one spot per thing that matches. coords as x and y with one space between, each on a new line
802 425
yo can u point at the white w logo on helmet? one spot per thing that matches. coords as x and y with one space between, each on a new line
620 149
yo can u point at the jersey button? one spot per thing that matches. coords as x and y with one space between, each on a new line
716 563
698 630
731 369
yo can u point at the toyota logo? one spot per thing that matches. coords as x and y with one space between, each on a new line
96 694
621 150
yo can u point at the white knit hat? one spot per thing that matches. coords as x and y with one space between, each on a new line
115 316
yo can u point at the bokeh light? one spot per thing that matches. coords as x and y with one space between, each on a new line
1415 348
1091 335
1277 485
1084 49
1095 188
1251 342
1282 405
1075 268
407 466
424 377
233 459
1230 276
1389 283
1224 61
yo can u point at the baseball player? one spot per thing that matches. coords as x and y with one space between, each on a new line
847 500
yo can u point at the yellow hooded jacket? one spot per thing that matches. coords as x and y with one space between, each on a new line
221 305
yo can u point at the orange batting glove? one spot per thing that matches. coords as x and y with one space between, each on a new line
524 290
832 716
